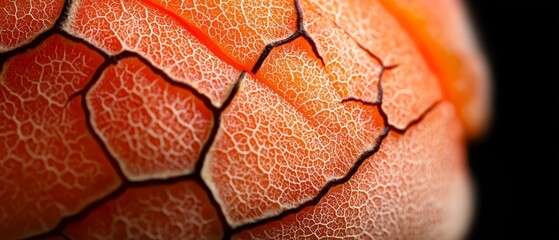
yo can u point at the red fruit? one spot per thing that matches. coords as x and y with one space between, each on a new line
283 119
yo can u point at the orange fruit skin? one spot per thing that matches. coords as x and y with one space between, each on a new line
288 119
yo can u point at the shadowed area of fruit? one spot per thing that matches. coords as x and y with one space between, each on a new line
236 119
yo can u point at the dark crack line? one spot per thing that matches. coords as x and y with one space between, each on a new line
301 32
204 152
380 93
378 103
365 155
380 96
63 15
114 59
195 176
111 60
377 58
114 163
39 38
326 188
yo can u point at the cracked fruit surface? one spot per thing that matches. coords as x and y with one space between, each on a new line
168 119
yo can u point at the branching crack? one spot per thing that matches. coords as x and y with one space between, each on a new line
63 15
301 32
217 112
39 38
335 24
201 160
368 153
125 182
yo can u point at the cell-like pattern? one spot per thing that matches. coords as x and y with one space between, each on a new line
50 164
240 29
410 32
354 73
400 192
23 20
116 26
284 136
411 87
447 41
296 124
152 128
168 211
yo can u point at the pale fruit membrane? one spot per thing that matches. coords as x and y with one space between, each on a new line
116 26
443 36
168 119
152 128
179 210
23 20
50 164
411 87
352 72
239 29
255 167
286 134
400 192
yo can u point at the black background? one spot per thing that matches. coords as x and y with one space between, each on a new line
516 166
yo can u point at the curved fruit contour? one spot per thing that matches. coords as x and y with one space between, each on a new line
136 119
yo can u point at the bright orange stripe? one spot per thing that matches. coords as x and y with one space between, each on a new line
198 34
433 53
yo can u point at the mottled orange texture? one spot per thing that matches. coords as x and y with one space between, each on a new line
21 21
152 128
442 33
401 192
166 211
411 87
116 26
265 119
285 135
239 29
50 164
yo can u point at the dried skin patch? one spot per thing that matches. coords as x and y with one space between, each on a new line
441 30
240 29
152 128
406 95
370 25
116 26
178 211
411 87
50 166
401 192
353 72
284 136
21 21
298 123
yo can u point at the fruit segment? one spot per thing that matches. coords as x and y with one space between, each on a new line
176 211
286 134
410 88
400 192
50 164
152 128
116 26
442 35
21 21
352 72
239 29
